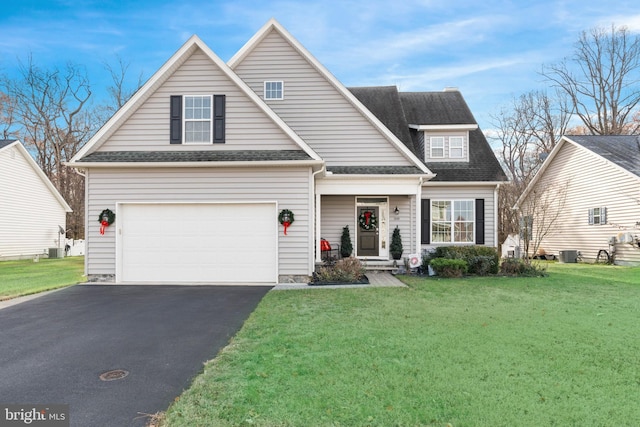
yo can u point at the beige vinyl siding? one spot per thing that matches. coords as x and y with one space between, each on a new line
29 213
338 211
592 182
406 206
468 193
247 126
446 135
290 187
314 108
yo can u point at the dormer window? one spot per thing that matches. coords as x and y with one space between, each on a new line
456 147
437 147
274 90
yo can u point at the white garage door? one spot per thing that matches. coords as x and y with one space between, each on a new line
198 243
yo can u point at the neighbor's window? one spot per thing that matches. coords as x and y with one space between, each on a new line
456 144
452 221
197 119
273 90
437 146
597 216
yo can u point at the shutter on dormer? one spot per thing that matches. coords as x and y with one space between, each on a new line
426 222
175 132
479 221
603 216
218 118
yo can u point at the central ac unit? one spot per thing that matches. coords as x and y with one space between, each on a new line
569 256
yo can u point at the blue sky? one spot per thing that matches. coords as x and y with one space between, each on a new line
491 50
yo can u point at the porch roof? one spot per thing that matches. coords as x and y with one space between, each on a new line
375 170
194 156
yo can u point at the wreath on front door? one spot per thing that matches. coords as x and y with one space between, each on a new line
368 220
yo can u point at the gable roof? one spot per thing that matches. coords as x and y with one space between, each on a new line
273 25
399 110
436 108
6 144
159 78
623 151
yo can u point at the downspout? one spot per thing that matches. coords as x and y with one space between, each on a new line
86 221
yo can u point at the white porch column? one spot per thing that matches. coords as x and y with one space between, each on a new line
418 219
318 218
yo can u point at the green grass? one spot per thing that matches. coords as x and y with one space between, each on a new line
25 277
561 350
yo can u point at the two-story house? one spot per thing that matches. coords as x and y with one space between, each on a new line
204 161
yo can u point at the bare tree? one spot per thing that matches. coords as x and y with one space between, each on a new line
50 112
539 214
602 79
119 91
529 127
6 116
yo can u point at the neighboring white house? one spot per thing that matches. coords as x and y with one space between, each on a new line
595 181
203 162
32 211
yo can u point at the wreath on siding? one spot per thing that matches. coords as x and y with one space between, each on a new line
286 218
106 218
368 220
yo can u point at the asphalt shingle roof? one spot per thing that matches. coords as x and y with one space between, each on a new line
194 156
375 170
622 150
397 110
436 108
5 142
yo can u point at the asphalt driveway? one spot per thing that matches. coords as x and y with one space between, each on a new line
53 349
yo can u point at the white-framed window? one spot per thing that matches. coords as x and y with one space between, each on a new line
452 221
456 147
197 119
274 90
436 144
597 216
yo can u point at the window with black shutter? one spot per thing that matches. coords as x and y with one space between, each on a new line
197 119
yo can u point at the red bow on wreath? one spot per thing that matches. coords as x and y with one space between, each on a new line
104 224
367 217
286 219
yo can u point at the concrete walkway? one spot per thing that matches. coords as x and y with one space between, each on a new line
376 279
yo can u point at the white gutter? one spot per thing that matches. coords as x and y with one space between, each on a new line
470 126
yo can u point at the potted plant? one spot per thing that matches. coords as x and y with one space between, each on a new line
396 244
345 243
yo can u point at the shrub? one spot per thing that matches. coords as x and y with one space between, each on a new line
396 244
481 260
517 267
345 242
345 270
447 267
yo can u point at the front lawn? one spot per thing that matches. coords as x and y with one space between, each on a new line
561 350
25 277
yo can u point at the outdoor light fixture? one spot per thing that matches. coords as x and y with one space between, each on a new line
396 211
